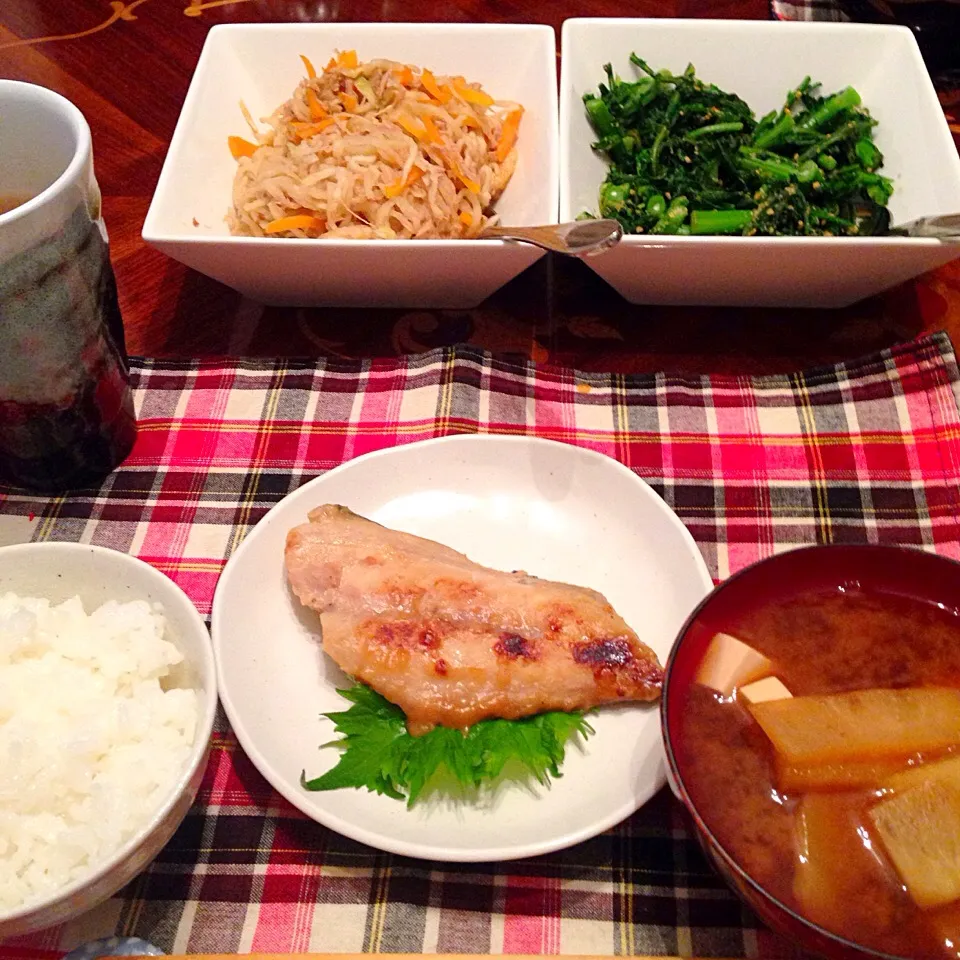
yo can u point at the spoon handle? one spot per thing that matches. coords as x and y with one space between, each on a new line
945 226
579 238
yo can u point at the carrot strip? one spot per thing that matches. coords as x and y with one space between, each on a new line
469 120
395 189
297 222
304 130
240 147
317 111
429 82
311 73
404 75
431 133
471 94
466 219
411 125
347 59
349 101
471 185
508 134
331 65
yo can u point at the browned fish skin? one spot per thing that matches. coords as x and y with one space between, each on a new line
451 642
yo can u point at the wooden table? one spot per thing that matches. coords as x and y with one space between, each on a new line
127 65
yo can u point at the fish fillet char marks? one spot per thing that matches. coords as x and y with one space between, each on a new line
451 642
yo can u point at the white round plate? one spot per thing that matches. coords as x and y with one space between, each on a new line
554 510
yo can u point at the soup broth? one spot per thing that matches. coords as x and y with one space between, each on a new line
818 850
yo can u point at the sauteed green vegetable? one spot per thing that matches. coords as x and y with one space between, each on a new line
689 158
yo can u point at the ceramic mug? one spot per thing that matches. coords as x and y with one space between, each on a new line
66 410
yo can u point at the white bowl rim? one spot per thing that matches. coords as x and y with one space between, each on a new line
888 240
205 720
275 243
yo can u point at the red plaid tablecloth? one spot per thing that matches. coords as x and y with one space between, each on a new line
863 452
806 10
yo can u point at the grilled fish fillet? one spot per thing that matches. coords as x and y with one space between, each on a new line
451 642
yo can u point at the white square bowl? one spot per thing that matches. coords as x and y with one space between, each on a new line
761 61
260 65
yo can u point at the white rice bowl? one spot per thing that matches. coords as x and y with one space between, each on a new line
92 736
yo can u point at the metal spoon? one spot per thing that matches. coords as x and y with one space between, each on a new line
581 238
946 227
114 947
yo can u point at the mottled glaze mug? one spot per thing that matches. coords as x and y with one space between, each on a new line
66 410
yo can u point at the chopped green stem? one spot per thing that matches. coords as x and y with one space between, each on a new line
846 99
674 218
770 167
613 196
642 64
776 133
600 116
796 95
850 129
672 109
704 222
656 206
808 172
714 129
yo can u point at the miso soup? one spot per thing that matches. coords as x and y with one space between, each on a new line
838 788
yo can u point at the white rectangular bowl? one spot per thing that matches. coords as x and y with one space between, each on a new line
761 61
260 65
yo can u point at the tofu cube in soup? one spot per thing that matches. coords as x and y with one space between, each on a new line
730 663
762 691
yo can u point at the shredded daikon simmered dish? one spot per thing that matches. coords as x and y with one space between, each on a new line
375 150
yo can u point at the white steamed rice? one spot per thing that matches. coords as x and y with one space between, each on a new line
90 740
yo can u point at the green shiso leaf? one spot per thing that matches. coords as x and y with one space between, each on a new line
379 754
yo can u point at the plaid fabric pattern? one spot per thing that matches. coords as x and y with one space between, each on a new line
864 452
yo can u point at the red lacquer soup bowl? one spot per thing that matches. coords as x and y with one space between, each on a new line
831 619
